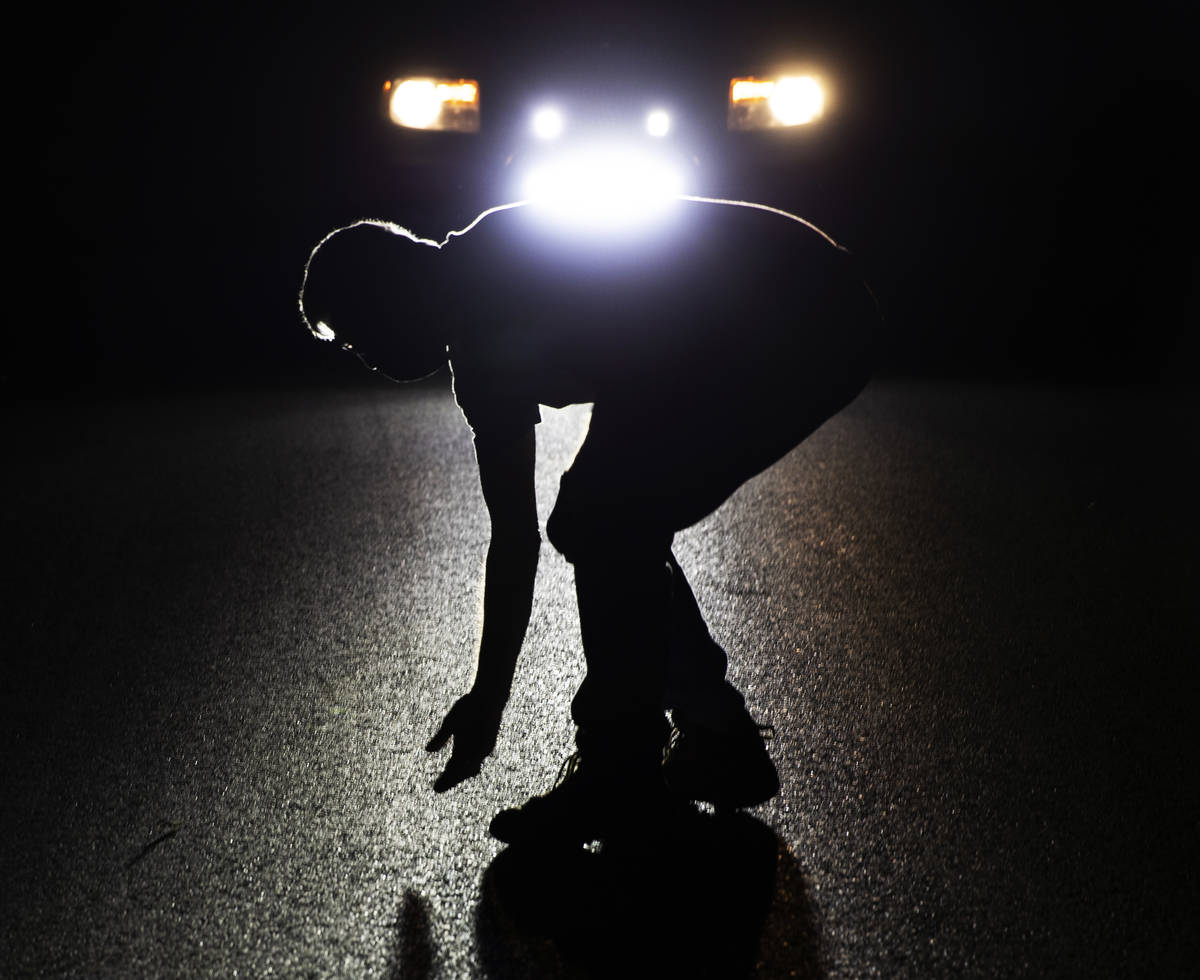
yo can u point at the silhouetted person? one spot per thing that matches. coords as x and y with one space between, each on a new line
709 349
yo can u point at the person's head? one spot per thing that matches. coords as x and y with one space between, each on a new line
367 288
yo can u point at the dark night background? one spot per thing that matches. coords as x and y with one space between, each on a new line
1017 178
242 574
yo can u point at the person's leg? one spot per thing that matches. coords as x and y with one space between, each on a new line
618 506
613 785
624 602
623 585
648 468
716 751
696 663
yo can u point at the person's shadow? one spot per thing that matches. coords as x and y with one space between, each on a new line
724 899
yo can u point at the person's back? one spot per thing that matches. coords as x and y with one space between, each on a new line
716 296
726 337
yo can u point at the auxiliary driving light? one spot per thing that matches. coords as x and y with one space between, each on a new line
769 103
547 123
658 122
434 103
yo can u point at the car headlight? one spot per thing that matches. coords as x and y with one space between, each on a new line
769 103
547 123
434 103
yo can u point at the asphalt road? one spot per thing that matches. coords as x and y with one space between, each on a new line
231 621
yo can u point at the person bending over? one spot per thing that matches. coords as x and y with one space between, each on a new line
708 351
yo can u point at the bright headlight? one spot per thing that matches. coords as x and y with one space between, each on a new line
796 100
547 123
765 103
658 122
434 103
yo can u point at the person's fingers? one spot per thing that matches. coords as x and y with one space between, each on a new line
458 770
474 737
442 735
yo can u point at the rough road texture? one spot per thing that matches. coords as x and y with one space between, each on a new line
231 622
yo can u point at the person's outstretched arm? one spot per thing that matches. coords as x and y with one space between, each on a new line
506 466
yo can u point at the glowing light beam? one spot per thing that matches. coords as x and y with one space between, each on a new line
658 122
603 188
547 123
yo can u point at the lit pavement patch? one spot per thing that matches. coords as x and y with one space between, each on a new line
238 620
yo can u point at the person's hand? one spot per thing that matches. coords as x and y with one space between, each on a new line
473 722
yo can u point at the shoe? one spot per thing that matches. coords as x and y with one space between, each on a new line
567 814
587 804
727 768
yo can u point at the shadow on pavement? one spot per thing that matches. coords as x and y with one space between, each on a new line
412 956
725 899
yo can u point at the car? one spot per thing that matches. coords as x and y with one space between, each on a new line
603 128
600 136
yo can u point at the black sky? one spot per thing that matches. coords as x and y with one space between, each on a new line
1019 178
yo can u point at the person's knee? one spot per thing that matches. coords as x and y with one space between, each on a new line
569 530
590 528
